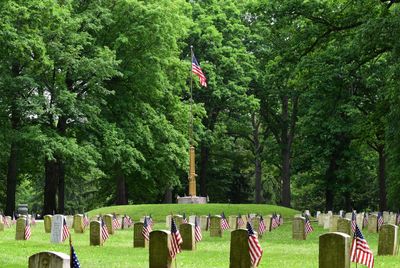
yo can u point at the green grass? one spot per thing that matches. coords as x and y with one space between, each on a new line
279 248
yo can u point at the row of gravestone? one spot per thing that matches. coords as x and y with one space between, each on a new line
159 251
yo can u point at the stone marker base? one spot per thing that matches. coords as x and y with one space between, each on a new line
192 200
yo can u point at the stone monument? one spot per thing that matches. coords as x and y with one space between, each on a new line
57 225
239 249
187 233
49 259
95 234
388 240
159 248
334 250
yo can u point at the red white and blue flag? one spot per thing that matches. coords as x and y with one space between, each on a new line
239 221
365 220
115 222
274 222
307 226
27 233
197 230
380 220
128 221
85 220
360 251
255 249
176 240
224 222
353 222
184 219
65 231
146 229
104 231
196 69
262 227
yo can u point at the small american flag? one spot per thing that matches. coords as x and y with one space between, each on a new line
307 226
5 221
255 249
380 220
65 231
184 219
262 227
365 221
150 219
27 233
104 231
128 221
176 240
115 222
224 222
197 230
353 222
360 251
146 229
74 262
239 221
274 222
196 69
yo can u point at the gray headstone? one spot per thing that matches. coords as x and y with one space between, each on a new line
348 216
49 259
95 233
108 221
268 223
298 230
334 222
388 240
256 225
138 239
20 229
78 224
187 232
386 216
373 223
334 250
321 219
168 221
192 218
203 222
159 248
178 220
215 227
57 229
47 223
360 220
232 222
344 226
70 221
239 250
327 221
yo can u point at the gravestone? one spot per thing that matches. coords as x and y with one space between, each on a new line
138 238
57 225
168 221
268 223
215 227
159 248
22 209
373 223
388 240
49 259
70 221
95 233
108 221
119 218
386 216
334 250
360 220
256 225
334 222
348 216
330 212
327 221
178 220
344 226
187 233
20 229
192 219
47 223
78 224
239 256
203 222
392 218
321 219
232 222
307 212
298 230
318 213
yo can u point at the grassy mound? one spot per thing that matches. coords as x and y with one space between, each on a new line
159 211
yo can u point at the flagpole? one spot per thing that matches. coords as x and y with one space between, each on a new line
191 99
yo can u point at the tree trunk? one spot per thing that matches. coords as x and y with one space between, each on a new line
382 179
121 194
257 159
285 153
168 196
11 179
61 186
50 187
204 155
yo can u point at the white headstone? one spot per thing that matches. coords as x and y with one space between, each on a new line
192 219
56 228
70 221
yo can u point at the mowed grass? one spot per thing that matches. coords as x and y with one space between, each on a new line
279 249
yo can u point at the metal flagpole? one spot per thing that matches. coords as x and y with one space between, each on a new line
191 98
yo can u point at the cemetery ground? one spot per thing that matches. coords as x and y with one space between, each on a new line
279 248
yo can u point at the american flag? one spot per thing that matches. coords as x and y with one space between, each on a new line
128 221
150 219
239 221
307 226
255 249
380 220
184 219
5 221
146 229
197 230
360 251
115 222
33 220
27 233
104 230
65 231
224 222
176 240
85 220
274 222
365 221
74 262
353 222
196 69
262 227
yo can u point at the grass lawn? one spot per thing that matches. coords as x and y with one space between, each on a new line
279 248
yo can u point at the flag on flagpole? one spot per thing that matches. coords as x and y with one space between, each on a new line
184 220
307 226
104 230
196 69
274 222
27 233
65 231
150 220
224 222
353 222
74 262
262 227
115 222
255 249
239 221
380 220
146 229
128 221
197 230
365 220
176 240
360 251
85 221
